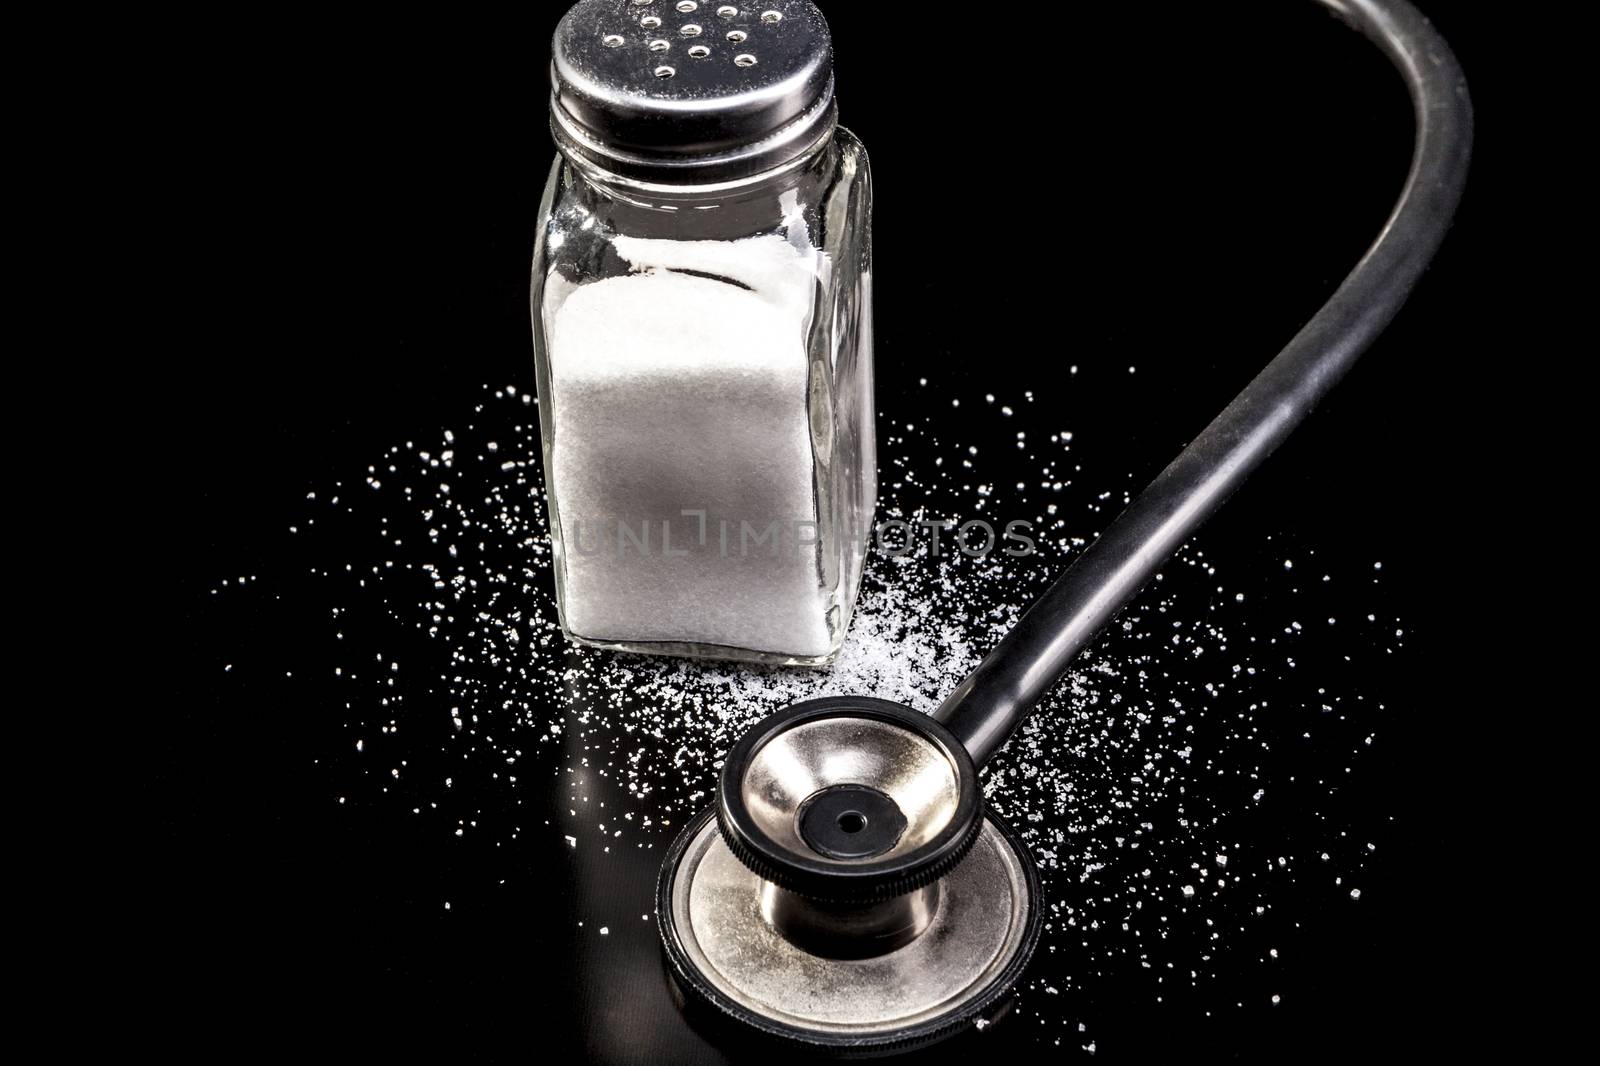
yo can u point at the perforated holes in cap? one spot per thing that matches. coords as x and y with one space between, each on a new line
725 113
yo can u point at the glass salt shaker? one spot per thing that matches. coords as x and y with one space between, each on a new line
702 324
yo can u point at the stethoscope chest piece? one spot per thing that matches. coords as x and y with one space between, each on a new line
849 892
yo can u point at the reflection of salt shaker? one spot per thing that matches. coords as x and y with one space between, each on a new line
703 332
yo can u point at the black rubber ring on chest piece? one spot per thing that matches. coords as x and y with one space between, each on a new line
857 881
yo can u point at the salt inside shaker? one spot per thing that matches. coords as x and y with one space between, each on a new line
701 299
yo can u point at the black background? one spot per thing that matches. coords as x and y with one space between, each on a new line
1160 184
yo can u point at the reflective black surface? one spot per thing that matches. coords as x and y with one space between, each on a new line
1168 190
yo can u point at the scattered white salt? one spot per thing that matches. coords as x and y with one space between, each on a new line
633 744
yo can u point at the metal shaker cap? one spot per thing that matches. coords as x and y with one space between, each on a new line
691 91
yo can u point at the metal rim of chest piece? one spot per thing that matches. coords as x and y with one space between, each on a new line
930 936
725 955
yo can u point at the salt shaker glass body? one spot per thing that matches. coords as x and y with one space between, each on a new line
701 298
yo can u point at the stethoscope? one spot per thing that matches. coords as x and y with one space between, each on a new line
849 890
